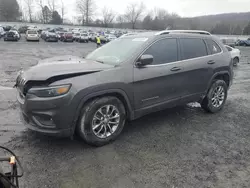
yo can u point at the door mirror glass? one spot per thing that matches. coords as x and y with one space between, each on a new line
145 60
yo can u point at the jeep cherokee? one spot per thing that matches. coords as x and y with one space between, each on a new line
123 80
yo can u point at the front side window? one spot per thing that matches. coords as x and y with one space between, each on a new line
192 48
163 51
213 47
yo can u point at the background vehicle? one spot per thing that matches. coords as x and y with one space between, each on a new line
110 37
23 29
51 37
11 36
229 42
32 35
93 37
2 32
84 37
235 54
243 42
125 79
76 36
67 37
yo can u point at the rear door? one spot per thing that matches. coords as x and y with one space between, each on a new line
196 66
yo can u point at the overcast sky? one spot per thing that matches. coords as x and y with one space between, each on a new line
182 7
186 8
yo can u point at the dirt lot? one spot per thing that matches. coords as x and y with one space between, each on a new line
178 148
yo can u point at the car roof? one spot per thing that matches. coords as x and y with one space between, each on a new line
169 33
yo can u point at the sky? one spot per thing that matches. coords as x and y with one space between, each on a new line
185 8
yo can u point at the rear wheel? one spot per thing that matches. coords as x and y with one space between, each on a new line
216 97
235 61
101 121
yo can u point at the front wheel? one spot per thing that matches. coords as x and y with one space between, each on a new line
216 97
101 121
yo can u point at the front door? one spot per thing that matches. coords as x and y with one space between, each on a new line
157 83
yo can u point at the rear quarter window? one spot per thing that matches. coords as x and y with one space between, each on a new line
213 47
192 48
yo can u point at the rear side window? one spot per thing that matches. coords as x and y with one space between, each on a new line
163 51
213 47
192 48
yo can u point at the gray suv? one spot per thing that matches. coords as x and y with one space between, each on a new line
123 80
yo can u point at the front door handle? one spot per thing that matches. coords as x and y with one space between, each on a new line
211 62
175 69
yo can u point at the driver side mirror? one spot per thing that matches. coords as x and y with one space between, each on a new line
145 60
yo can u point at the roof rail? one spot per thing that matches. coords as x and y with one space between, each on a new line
183 31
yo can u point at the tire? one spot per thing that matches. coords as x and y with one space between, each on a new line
235 61
84 126
207 103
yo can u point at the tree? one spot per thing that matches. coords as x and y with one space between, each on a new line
62 10
29 4
108 16
56 18
246 30
120 20
147 22
86 8
134 12
41 14
9 10
52 5
47 15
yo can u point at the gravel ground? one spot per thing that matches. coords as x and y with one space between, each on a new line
178 148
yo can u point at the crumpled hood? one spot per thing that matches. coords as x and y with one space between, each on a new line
63 65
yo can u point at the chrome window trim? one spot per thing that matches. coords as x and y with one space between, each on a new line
171 63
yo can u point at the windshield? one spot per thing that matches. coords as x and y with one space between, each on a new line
117 51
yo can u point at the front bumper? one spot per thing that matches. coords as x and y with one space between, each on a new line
49 116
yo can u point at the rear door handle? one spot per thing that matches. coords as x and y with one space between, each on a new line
211 62
175 69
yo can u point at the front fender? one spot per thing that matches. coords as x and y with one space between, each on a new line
92 95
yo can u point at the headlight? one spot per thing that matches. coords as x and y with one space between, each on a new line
50 91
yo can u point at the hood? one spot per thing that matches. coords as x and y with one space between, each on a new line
63 66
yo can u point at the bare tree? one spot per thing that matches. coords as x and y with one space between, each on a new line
120 20
29 4
41 15
52 5
62 10
108 16
134 12
86 8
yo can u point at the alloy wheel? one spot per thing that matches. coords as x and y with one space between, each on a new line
105 121
218 96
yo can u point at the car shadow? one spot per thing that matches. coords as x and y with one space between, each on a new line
168 117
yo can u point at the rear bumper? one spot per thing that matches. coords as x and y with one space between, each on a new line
32 38
52 39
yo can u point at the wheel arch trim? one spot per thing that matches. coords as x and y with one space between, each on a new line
111 92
